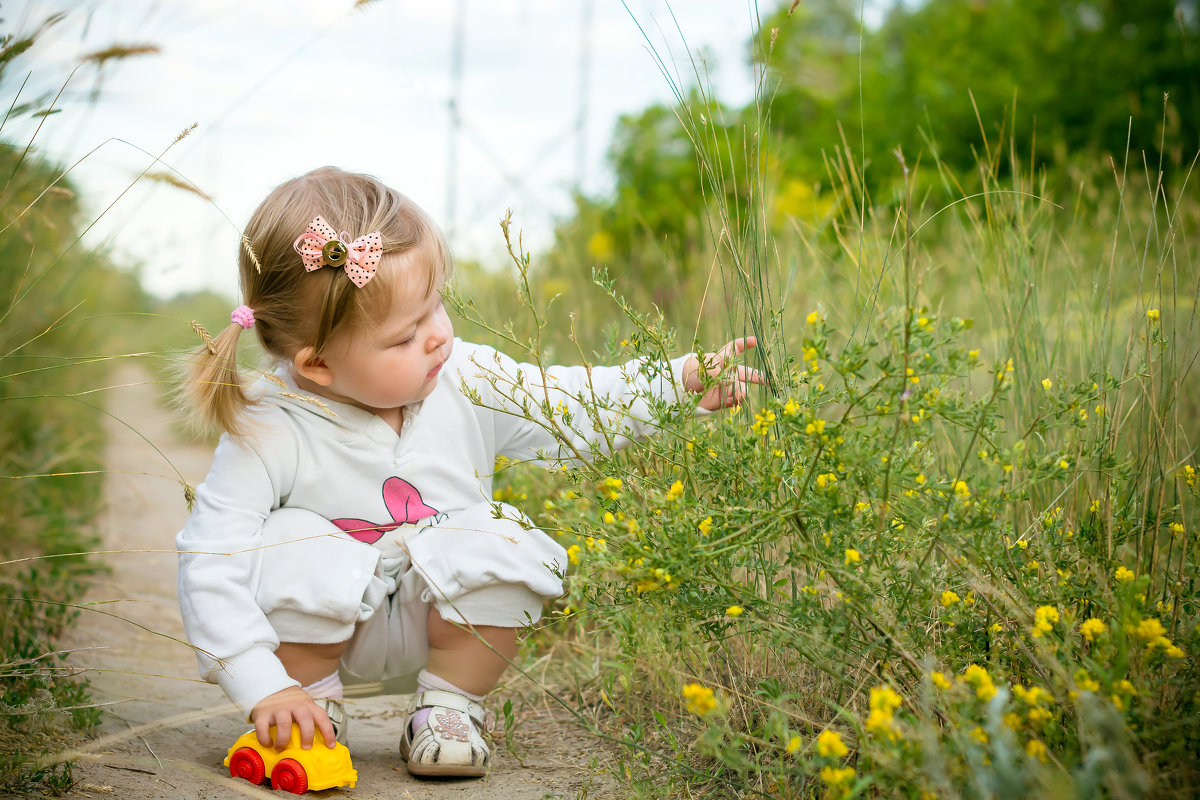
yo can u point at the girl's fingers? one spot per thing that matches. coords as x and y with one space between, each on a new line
325 725
283 729
714 363
749 375
739 393
305 721
262 729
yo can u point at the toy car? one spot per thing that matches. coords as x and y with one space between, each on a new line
292 769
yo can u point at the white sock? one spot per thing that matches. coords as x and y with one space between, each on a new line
328 687
426 680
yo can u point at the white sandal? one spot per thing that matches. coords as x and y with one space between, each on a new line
336 711
449 742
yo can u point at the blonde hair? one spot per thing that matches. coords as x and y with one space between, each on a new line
294 309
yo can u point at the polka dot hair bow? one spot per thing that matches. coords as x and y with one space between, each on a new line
322 246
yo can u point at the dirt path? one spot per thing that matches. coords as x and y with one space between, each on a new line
165 732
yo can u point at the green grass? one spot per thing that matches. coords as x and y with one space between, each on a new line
979 436
56 339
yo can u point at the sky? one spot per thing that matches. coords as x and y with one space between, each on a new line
277 87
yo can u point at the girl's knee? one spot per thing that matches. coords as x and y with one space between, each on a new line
315 584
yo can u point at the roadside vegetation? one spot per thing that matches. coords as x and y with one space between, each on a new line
949 551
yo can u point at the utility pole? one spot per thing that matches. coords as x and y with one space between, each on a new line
453 105
585 69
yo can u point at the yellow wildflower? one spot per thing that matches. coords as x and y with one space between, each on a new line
826 479
961 489
791 408
852 556
699 699
881 722
762 421
733 611
979 680
675 492
573 553
1149 629
1038 716
830 745
940 681
1152 314
995 628
1033 696
815 427
949 598
609 519
814 317
793 745
705 526
1091 628
835 776
611 488
883 698
977 733
1047 384
1124 575
1035 749
972 354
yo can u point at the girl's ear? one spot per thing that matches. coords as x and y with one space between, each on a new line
313 367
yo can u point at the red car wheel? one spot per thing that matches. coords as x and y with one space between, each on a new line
289 776
248 765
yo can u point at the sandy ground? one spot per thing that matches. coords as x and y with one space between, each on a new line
165 732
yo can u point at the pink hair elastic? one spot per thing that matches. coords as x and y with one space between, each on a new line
244 316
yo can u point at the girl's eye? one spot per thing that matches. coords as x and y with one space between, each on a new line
406 342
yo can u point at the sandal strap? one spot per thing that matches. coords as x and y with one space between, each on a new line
457 702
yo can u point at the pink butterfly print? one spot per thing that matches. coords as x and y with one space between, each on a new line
403 502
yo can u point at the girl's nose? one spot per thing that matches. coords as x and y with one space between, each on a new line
440 333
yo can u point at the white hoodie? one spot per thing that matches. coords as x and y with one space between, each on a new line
334 459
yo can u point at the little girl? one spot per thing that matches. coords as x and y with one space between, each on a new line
345 530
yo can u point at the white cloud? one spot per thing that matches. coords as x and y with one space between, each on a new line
368 91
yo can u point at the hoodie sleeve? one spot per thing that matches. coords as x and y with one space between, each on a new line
570 413
220 556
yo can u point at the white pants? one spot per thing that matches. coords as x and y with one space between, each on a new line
318 585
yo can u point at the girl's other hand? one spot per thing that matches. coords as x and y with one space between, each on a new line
281 710
731 388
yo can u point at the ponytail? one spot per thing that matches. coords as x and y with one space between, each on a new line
213 390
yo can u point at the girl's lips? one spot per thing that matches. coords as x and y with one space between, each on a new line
433 372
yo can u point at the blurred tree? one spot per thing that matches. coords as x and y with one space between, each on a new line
1059 79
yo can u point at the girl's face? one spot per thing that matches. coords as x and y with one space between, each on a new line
396 363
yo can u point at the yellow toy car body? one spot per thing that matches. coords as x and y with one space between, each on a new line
292 769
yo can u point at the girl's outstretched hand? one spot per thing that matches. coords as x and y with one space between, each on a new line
281 710
732 379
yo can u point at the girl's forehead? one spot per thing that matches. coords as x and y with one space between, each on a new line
411 287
